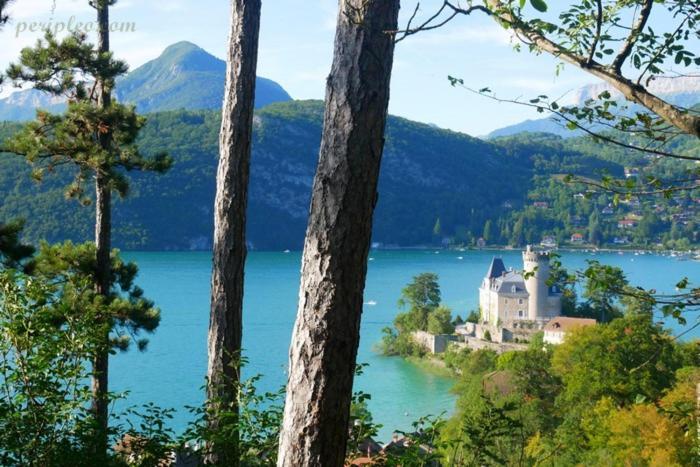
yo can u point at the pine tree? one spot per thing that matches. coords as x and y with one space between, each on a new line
4 18
437 228
226 319
326 335
96 136
487 231
594 235
13 253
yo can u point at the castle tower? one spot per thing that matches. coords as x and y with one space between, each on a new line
536 268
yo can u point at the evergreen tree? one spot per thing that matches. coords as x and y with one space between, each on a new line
3 12
487 231
94 135
13 253
594 234
518 234
334 265
226 314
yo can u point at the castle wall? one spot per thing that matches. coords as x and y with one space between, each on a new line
553 306
510 306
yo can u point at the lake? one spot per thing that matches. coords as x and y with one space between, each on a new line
171 372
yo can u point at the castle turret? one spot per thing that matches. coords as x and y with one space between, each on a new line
536 272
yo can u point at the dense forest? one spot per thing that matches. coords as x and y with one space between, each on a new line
436 187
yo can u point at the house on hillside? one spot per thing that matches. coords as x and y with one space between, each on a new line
626 223
548 241
555 331
577 238
631 172
621 240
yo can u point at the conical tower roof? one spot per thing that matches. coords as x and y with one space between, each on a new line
496 269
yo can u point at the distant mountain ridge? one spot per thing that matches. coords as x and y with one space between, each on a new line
683 91
184 76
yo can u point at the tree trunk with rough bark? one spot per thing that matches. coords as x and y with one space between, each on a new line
103 246
226 314
334 265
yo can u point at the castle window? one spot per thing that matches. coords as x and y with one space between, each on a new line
520 301
521 313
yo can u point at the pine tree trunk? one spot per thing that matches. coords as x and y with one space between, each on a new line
334 265
103 245
226 314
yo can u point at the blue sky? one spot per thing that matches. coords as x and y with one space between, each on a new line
296 45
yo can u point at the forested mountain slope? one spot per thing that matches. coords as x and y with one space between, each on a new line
435 186
427 174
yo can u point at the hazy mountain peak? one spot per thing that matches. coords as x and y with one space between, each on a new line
683 91
661 85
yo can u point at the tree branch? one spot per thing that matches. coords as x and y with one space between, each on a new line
602 137
628 45
598 26
634 92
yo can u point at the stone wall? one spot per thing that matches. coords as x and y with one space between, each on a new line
499 347
433 343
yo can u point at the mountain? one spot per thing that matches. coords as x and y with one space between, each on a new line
184 76
427 173
682 91
22 105
508 190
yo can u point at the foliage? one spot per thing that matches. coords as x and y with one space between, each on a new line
255 425
474 317
440 321
125 310
480 441
13 253
362 427
609 393
399 343
71 67
422 298
422 293
629 357
45 342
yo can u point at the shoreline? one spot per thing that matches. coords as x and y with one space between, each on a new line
623 249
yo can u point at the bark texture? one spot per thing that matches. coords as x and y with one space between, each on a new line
334 265
225 325
103 246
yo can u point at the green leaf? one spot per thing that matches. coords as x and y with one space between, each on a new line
539 5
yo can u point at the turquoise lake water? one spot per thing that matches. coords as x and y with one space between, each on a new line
171 372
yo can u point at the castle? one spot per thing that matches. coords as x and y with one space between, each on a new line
511 299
